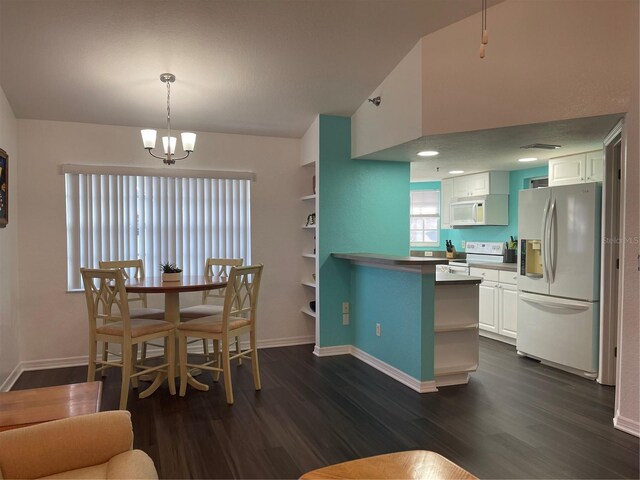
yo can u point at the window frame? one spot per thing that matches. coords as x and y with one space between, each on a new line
426 215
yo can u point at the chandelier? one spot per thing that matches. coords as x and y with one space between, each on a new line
168 142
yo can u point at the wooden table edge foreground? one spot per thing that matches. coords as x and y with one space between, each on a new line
22 408
414 464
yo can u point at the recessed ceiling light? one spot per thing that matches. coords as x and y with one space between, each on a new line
428 153
527 159
456 172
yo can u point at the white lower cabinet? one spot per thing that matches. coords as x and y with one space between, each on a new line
498 305
488 318
508 305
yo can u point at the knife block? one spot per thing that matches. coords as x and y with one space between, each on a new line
451 254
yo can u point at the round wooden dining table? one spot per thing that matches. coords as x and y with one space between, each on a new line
172 291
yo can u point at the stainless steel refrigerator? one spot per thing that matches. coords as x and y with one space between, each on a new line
559 276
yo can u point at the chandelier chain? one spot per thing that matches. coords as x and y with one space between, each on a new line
169 119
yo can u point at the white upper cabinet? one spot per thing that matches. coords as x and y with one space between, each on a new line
594 164
580 168
480 184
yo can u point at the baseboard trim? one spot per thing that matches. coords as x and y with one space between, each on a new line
286 342
453 379
419 386
331 351
626 425
48 364
11 379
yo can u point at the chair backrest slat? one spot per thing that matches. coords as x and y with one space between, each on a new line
218 267
104 289
130 269
241 298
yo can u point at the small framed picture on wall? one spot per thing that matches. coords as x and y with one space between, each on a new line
4 188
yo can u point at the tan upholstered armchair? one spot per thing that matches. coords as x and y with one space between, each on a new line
87 446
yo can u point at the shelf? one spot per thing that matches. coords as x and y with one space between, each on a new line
309 226
455 328
309 255
439 372
308 197
309 284
308 311
309 164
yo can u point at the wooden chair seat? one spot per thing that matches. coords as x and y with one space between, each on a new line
139 327
416 464
213 324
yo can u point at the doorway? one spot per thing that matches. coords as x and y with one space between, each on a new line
610 258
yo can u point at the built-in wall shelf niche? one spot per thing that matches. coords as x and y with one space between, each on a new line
309 312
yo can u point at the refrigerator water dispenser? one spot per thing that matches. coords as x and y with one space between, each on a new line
531 258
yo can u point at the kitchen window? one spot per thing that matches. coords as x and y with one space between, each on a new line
181 216
425 218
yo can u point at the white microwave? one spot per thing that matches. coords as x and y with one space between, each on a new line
487 210
467 212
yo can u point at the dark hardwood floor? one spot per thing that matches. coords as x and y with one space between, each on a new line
515 419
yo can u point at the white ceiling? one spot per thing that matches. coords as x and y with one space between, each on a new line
499 149
264 67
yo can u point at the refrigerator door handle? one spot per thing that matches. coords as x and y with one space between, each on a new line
560 305
545 218
551 225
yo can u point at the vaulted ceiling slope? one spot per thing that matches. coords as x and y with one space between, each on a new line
263 67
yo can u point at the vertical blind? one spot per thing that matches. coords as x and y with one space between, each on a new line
156 218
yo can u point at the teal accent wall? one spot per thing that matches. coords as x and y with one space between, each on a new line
403 304
518 180
363 207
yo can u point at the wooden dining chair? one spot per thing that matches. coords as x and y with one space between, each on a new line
135 269
212 300
104 289
238 317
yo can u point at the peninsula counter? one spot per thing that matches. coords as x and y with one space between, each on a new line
416 325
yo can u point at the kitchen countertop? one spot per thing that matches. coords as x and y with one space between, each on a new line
397 260
444 278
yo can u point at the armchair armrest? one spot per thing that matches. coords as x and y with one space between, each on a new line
62 445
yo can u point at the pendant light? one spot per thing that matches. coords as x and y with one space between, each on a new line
168 142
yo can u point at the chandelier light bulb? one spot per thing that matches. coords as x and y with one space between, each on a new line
149 138
173 144
188 141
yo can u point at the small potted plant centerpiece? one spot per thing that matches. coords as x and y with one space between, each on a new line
170 273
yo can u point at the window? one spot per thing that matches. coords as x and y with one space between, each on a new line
425 218
114 216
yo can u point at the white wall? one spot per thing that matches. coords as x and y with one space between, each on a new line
9 331
627 415
398 118
546 60
53 323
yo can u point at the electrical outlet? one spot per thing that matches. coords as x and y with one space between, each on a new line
377 329
345 319
345 307
464 244
428 254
